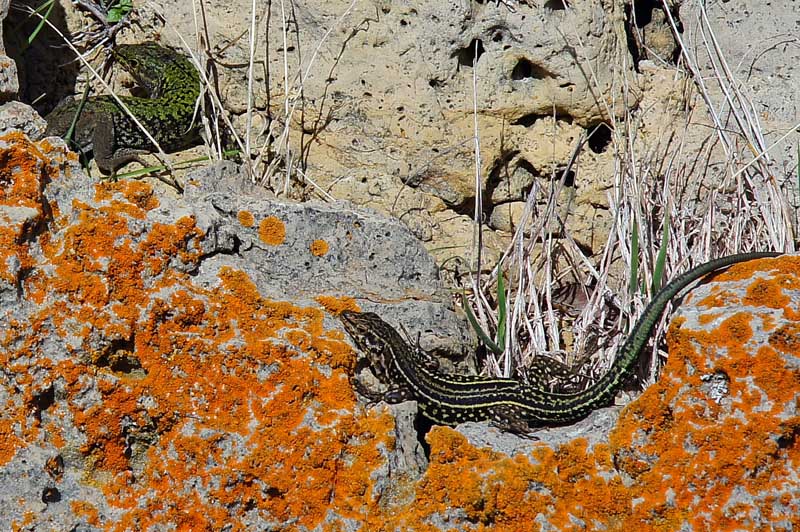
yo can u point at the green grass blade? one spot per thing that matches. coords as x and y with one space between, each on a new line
118 11
48 6
501 312
68 137
180 165
478 330
633 286
658 271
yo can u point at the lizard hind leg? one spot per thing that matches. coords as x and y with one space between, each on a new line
508 419
394 395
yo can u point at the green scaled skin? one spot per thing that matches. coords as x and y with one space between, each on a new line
173 86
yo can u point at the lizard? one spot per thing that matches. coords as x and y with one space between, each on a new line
510 404
172 84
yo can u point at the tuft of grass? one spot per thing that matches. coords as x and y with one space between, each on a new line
742 207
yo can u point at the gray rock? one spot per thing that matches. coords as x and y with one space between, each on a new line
16 115
47 490
9 83
595 427
371 258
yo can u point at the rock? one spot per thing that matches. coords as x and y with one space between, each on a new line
406 126
751 36
507 216
384 117
710 446
168 361
18 116
677 453
9 84
595 428
148 333
516 184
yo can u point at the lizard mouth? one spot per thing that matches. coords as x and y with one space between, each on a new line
351 316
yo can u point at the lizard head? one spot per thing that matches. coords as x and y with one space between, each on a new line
157 69
369 332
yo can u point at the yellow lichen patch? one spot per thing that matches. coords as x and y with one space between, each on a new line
318 248
272 231
246 218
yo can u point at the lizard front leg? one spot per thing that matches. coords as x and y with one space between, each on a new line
106 153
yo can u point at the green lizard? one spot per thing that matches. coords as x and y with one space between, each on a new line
452 399
173 86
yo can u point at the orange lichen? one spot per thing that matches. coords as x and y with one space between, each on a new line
335 305
705 319
272 231
684 468
246 218
17 158
86 511
786 338
10 442
717 298
24 201
700 452
494 490
319 248
766 294
28 518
